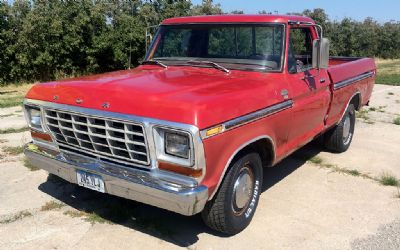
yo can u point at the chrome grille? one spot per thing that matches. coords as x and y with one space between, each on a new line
115 140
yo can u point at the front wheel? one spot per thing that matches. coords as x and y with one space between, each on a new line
235 203
339 138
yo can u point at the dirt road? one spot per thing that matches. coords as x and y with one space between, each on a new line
313 200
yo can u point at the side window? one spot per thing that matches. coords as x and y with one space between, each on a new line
300 50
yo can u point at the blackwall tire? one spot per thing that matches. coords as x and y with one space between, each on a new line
339 138
233 207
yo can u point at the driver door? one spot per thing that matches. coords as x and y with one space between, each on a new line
309 88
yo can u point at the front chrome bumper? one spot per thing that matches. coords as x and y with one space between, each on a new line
134 184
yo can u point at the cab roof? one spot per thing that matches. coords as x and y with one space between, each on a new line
237 19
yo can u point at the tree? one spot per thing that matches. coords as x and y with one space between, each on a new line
207 8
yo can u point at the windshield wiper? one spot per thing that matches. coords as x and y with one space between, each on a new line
210 63
154 62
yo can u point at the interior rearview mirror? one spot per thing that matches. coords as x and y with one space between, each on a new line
320 58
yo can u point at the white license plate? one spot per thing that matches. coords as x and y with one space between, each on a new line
89 180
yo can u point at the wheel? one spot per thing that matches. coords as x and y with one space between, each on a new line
233 207
339 138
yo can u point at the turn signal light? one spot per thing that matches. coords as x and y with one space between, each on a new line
41 136
180 170
214 130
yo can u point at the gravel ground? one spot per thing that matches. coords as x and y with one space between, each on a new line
387 238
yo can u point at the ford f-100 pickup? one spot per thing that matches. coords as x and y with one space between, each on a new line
215 101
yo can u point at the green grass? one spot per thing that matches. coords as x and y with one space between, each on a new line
375 109
353 172
13 150
388 72
92 217
19 216
397 120
363 114
387 179
390 79
29 165
11 101
13 130
52 205
316 160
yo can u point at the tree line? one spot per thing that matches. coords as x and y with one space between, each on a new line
42 40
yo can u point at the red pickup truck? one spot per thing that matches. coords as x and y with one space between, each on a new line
215 101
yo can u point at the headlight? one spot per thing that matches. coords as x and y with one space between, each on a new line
177 144
33 116
174 146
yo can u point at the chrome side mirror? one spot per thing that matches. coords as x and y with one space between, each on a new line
320 55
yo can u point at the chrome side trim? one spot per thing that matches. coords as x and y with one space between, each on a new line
143 186
235 153
242 120
352 80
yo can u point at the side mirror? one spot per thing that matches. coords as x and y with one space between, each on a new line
320 55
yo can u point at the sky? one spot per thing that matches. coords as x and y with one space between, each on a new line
380 10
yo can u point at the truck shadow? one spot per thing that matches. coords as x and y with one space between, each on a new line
177 229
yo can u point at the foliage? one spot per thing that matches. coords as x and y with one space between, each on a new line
47 40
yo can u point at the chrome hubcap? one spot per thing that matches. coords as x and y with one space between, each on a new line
346 128
243 189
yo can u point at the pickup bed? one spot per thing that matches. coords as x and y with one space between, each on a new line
216 100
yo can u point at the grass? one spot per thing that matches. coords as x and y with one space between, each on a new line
121 211
11 101
51 205
13 130
29 165
387 179
19 216
6 115
13 150
316 160
388 72
376 109
397 120
13 95
92 217
363 114
353 172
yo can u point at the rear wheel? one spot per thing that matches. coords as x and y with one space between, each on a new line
339 138
234 205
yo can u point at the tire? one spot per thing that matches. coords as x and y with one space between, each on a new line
231 210
339 138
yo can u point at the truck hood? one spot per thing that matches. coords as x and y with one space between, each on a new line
199 96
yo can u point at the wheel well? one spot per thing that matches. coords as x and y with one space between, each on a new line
356 101
263 147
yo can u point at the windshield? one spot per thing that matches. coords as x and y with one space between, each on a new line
234 46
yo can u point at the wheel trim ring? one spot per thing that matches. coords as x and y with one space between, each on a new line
346 129
246 175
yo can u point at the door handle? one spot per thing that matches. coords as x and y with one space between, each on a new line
322 80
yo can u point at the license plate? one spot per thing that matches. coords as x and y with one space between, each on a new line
89 180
